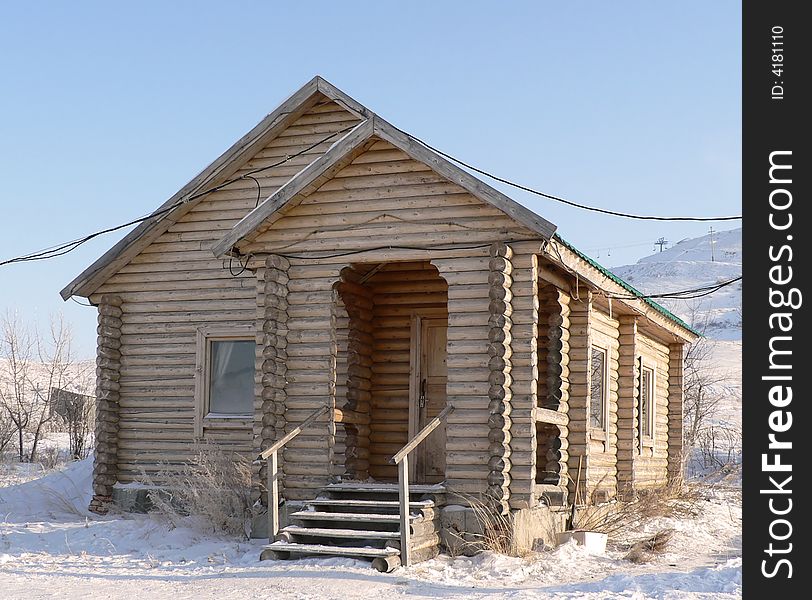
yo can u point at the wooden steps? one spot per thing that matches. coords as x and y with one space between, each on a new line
312 515
362 520
307 549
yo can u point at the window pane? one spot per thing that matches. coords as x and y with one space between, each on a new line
231 378
646 401
597 392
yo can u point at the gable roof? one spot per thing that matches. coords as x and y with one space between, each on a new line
220 169
343 152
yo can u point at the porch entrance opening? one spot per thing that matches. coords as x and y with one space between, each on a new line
391 373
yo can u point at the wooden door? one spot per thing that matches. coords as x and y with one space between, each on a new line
428 395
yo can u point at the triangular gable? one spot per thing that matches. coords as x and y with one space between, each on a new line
223 167
342 153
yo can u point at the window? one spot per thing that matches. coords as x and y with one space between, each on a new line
224 386
231 377
646 403
597 396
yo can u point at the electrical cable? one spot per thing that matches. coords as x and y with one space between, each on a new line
564 200
65 248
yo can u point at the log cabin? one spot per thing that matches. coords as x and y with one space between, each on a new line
331 293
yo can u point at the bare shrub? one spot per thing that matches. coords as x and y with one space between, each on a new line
49 458
213 485
620 520
720 445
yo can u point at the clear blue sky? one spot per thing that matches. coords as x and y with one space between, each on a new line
106 110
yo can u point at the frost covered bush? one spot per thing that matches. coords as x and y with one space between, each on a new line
214 485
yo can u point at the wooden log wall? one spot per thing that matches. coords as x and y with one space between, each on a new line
467 434
554 346
359 304
311 376
627 407
269 410
651 462
108 372
385 198
176 286
500 339
676 458
398 290
524 374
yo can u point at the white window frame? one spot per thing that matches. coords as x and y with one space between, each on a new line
203 417
647 440
599 432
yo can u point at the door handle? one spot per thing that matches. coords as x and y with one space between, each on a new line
421 401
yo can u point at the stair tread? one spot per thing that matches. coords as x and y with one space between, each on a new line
332 550
434 488
369 503
339 516
341 533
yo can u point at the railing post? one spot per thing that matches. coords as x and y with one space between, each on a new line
405 522
273 497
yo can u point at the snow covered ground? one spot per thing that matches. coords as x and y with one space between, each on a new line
50 546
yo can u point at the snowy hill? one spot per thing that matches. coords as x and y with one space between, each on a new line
692 263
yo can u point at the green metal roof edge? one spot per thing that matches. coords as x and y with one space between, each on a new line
660 309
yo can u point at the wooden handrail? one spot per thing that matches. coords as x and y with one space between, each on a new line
294 432
401 459
271 455
421 435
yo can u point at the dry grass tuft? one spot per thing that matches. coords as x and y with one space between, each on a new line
512 533
644 550
214 485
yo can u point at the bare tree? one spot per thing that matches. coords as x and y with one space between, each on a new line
702 381
31 367
57 371
16 348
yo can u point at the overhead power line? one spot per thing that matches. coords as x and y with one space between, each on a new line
572 203
689 294
65 248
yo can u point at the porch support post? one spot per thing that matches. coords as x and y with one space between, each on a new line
555 305
269 418
525 375
499 390
358 303
467 427
307 460
579 390
108 372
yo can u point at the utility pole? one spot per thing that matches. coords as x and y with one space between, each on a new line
661 243
712 242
